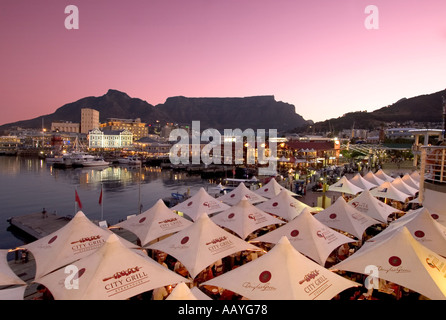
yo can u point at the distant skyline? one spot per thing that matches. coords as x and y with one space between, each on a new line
317 55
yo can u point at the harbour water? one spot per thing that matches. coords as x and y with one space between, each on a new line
28 185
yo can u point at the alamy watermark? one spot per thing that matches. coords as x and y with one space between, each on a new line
190 149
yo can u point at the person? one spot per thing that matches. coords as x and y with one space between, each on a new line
44 215
45 293
343 251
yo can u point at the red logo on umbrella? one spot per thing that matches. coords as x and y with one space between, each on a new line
434 216
266 190
275 204
265 276
190 203
52 240
184 240
333 216
294 233
231 215
142 220
395 261
419 234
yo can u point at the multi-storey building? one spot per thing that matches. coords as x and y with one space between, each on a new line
89 120
135 126
110 139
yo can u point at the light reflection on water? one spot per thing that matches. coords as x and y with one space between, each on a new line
27 185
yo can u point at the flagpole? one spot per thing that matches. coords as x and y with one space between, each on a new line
75 202
102 203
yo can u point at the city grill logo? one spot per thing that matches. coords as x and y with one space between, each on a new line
123 273
183 150
87 244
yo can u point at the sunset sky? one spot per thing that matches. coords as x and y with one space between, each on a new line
316 55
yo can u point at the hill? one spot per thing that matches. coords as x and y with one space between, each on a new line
220 113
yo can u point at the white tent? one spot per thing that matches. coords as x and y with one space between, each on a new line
344 217
362 183
283 205
383 176
416 176
244 218
402 260
403 187
234 197
7 276
282 274
182 292
272 189
308 236
370 177
154 223
113 272
200 202
12 293
201 244
422 227
345 186
371 206
77 239
387 190
407 179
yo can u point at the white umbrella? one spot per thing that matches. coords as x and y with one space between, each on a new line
201 244
383 176
407 179
12 293
402 260
200 202
344 217
283 205
371 206
387 190
308 236
272 189
234 197
182 292
345 186
282 274
113 272
244 218
362 183
7 276
370 177
154 223
77 239
416 176
403 187
422 227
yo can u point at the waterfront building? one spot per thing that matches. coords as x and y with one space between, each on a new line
153 148
135 126
89 120
65 126
110 139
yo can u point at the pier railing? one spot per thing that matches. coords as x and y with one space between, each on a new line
433 164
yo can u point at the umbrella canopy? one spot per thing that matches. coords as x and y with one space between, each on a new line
416 176
283 205
344 217
422 227
7 276
403 187
362 183
407 179
201 244
77 239
272 189
383 176
282 274
182 292
200 202
388 190
402 260
154 223
13 293
370 177
113 272
371 206
308 236
345 186
234 197
244 218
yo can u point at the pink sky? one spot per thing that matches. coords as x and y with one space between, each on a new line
316 55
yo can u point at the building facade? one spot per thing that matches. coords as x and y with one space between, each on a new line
135 126
110 139
65 126
89 120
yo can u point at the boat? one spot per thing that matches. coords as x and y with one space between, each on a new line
133 161
95 162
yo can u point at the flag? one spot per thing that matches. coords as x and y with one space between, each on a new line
100 197
78 200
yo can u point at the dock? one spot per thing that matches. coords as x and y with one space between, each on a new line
37 226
